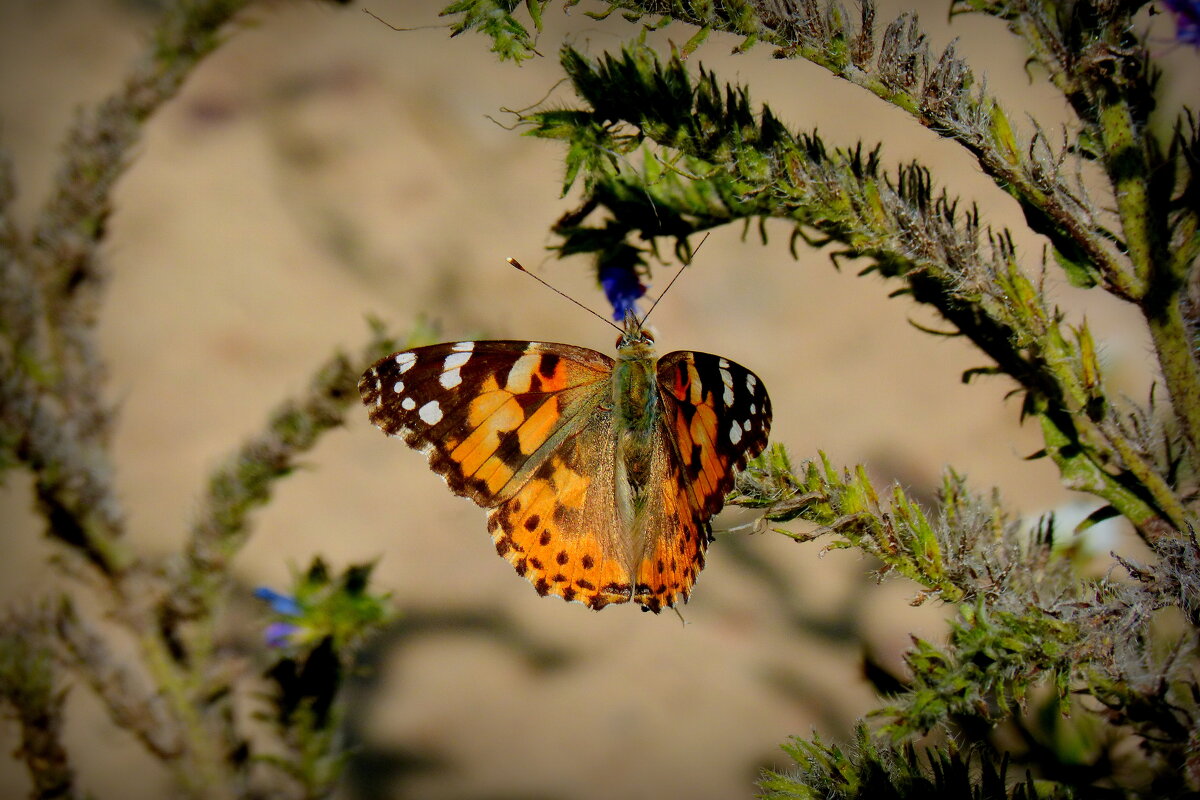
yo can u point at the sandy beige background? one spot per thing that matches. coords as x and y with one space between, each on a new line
321 168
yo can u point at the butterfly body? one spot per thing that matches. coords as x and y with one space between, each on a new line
637 409
600 476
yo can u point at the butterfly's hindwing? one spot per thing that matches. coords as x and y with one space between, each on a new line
675 533
484 412
561 531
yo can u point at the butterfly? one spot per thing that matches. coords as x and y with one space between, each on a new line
600 475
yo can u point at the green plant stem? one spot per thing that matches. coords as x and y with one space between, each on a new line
1164 496
1181 374
1081 472
1102 439
1129 168
201 768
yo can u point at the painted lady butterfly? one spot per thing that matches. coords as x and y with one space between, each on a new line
600 476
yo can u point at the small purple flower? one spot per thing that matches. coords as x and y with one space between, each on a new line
623 288
279 634
1187 20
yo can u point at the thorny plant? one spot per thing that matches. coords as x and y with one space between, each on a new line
1037 653
661 151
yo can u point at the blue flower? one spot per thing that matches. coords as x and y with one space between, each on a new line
283 632
1187 20
280 603
623 288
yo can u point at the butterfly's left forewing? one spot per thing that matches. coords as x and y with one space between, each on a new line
487 414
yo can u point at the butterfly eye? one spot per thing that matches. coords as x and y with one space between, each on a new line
648 336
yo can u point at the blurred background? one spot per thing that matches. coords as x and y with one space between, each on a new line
321 168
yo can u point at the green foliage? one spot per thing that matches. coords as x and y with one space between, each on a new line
341 611
331 621
511 40
1026 622
866 770
991 661
174 692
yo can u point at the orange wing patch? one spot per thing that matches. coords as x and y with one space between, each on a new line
676 539
560 531
718 415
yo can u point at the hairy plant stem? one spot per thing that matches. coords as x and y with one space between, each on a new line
1129 167
202 767
1180 372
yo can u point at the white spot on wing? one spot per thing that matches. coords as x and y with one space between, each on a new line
457 359
723 364
430 413
735 433
405 361
751 382
463 347
398 387
408 404
727 380
450 379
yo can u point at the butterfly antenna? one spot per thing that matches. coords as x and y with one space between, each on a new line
519 266
663 293
401 30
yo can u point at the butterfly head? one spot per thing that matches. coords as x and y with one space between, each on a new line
635 342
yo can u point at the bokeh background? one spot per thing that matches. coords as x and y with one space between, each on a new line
321 168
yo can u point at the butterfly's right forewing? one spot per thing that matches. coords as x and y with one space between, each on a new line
486 413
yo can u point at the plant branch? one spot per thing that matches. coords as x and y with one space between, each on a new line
64 253
30 694
72 480
939 93
721 160
130 705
